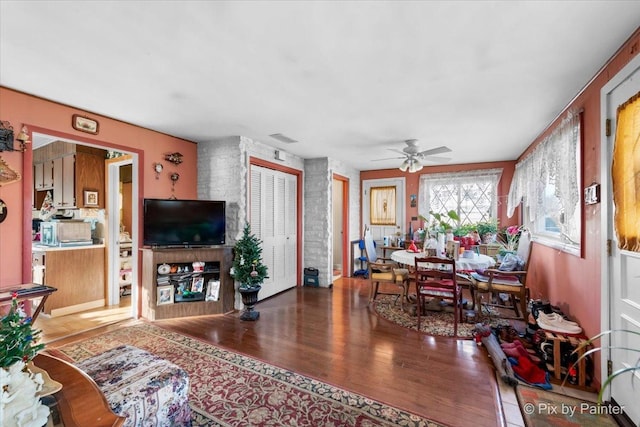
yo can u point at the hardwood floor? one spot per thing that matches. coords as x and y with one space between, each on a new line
331 334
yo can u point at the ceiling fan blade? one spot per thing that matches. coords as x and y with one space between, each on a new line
388 158
398 151
436 159
437 150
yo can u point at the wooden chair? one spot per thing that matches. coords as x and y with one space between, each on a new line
384 270
436 278
511 283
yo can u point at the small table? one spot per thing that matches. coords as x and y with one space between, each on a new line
476 262
27 292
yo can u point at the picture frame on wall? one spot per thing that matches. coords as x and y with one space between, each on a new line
84 124
165 295
90 198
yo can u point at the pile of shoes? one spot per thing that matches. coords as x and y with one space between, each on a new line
550 318
523 357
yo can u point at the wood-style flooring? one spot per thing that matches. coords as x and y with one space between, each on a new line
333 335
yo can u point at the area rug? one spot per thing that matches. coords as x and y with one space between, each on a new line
432 323
231 389
542 408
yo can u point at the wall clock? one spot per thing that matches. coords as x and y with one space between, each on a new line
158 168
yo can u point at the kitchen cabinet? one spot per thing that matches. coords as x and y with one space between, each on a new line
64 194
67 170
43 175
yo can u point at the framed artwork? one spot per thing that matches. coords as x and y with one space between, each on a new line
90 198
414 200
383 205
197 284
165 294
213 290
84 124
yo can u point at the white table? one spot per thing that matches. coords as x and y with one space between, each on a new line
477 262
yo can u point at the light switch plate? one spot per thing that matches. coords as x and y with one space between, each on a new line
592 194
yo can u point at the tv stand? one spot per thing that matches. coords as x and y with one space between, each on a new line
217 263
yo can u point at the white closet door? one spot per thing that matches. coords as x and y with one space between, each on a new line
273 220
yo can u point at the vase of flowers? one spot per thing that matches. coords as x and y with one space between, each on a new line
249 271
19 401
509 238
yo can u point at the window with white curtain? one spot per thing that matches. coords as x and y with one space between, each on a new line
473 195
547 183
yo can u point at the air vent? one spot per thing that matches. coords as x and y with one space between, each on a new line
283 138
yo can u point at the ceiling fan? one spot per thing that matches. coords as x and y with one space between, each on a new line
413 157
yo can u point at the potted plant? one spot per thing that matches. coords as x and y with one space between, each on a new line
442 222
249 270
488 230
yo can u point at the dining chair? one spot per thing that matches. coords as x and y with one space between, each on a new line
385 271
436 278
511 283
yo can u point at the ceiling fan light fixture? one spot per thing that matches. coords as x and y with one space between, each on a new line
405 165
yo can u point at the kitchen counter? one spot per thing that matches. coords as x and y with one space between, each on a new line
36 247
78 272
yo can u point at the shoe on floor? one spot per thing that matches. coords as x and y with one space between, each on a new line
549 318
559 325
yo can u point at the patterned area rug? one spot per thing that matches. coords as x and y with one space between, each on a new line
541 408
433 323
230 389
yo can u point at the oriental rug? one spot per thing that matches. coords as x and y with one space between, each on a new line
231 389
438 323
542 408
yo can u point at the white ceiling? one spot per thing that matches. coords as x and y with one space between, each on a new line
348 80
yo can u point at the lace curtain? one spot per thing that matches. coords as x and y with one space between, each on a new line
383 205
625 175
469 193
553 160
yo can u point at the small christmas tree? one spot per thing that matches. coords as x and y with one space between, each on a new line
248 268
17 337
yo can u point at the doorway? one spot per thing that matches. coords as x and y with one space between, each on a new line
383 207
340 208
105 221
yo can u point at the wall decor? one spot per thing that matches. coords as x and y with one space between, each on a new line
6 136
84 124
157 167
175 158
7 175
90 198
3 210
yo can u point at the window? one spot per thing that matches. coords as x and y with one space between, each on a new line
547 184
473 195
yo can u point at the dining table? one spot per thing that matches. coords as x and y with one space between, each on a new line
470 263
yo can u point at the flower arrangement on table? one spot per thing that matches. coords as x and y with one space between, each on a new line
19 403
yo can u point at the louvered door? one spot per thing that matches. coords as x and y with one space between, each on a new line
273 220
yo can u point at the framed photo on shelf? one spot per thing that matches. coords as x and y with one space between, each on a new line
213 290
197 284
165 294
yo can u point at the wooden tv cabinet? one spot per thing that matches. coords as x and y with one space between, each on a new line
217 263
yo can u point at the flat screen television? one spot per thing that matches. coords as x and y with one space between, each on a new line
183 223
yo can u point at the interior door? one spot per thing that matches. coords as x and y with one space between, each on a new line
273 220
623 266
379 229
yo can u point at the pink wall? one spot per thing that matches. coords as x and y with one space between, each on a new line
412 181
55 119
569 281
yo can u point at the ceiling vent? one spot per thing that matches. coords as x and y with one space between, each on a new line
283 138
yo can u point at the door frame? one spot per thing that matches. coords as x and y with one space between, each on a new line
606 213
345 223
112 181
